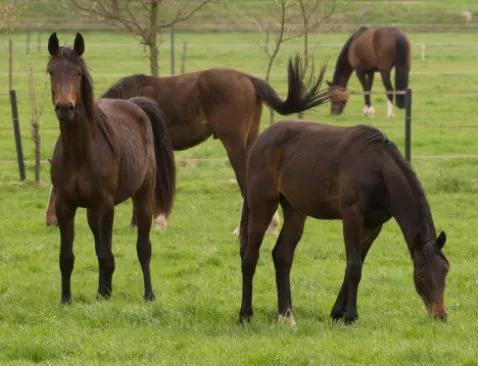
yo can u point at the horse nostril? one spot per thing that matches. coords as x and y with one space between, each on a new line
70 106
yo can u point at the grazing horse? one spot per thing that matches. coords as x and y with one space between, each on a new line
107 151
369 50
353 174
219 102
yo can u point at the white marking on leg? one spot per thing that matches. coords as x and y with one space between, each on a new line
371 112
288 318
365 111
390 109
161 222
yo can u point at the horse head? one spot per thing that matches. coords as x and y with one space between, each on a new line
338 97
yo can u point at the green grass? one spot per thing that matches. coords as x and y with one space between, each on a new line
195 265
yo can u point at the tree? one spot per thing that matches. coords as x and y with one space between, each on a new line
9 11
142 19
284 20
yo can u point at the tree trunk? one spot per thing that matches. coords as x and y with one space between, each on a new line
115 4
153 39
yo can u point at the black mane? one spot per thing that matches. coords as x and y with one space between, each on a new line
343 55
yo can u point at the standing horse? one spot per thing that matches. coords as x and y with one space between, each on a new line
369 50
107 151
219 102
353 174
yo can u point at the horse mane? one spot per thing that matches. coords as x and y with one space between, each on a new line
93 113
343 55
425 212
121 89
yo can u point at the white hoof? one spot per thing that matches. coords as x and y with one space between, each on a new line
390 110
369 111
161 222
287 319
236 231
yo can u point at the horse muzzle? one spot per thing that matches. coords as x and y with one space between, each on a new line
437 311
65 111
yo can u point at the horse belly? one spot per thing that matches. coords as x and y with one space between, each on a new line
137 160
319 200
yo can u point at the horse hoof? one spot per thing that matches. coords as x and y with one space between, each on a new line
66 300
149 297
350 318
103 295
245 318
287 318
336 316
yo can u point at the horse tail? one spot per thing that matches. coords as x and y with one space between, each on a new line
300 97
163 149
402 68
244 223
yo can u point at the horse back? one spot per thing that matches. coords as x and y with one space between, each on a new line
320 169
374 49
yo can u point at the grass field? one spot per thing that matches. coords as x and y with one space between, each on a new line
195 265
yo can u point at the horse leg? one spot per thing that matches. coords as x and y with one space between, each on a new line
283 255
142 206
100 220
66 222
259 218
340 306
271 229
363 78
50 214
388 85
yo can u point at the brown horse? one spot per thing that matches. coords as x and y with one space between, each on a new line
219 102
353 174
369 50
107 151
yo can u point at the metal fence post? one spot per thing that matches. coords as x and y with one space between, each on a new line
172 49
16 130
408 124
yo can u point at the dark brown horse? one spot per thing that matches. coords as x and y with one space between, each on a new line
219 102
107 152
353 174
369 50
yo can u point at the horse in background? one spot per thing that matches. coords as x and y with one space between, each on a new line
354 174
107 151
369 50
218 102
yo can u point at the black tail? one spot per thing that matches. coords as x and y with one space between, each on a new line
300 97
243 225
401 68
163 148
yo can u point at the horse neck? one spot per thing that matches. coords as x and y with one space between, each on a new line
77 137
343 69
410 207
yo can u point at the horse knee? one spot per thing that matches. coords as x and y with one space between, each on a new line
107 265
354 272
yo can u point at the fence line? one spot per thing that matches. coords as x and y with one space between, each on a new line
225 160
281 75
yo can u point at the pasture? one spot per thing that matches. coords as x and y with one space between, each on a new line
195 266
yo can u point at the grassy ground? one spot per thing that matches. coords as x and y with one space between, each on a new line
195 267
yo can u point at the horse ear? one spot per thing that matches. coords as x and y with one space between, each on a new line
79 45
53 44
440 242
